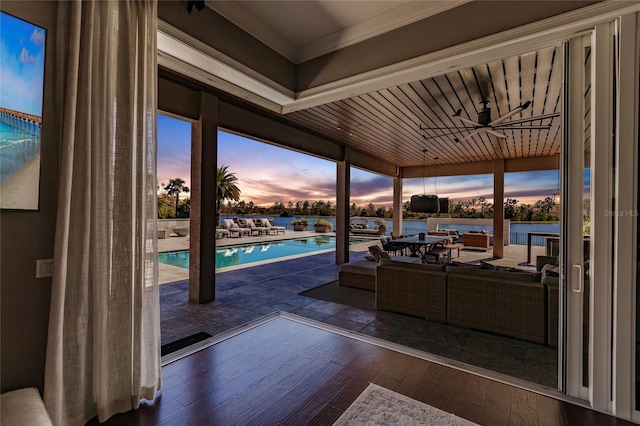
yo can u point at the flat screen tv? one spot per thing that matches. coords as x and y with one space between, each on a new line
22 51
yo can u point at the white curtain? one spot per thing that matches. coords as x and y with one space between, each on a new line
103 349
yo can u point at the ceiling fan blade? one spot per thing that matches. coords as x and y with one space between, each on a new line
461 128
547 127
468 136
511 113
494 133
529 119
452 131
466 120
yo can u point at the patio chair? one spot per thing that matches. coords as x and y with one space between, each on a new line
272 228
390 247
230 226
254 229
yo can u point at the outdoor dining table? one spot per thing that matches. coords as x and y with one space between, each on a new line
420 247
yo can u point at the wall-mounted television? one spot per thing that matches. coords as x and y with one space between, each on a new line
22 52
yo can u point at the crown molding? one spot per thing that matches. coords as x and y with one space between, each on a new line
180 52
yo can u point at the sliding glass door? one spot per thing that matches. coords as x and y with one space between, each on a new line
576 227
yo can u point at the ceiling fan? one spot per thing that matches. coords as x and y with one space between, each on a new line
484 123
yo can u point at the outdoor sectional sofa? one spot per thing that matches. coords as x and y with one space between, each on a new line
508 303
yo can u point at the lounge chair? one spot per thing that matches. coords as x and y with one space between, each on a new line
230 226
221 233
272 228
255 229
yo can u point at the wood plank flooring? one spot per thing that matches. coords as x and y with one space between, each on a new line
285 372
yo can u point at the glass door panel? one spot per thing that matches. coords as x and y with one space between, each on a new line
576 225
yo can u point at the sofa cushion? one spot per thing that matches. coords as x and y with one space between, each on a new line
412 262
551 281
502 275
457 266
492 267
23 407
362 267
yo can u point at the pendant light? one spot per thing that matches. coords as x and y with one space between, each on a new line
425 203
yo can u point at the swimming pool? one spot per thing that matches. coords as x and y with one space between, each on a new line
242 254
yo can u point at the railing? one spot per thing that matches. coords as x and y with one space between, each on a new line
521 238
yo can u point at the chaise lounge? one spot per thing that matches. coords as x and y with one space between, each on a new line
231 226
265 223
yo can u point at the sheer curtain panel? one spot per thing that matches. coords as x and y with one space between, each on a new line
103 348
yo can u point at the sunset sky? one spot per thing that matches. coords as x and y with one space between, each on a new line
267 174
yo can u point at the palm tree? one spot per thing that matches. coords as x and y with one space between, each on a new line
176 187
226 188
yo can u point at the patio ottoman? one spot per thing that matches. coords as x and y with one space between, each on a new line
362 273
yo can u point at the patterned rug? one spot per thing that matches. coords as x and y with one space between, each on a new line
380 406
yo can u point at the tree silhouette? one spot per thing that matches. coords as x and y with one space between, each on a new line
176 187
226 188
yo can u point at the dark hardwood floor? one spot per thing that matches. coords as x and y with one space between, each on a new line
285 372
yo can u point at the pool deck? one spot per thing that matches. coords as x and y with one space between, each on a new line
513 254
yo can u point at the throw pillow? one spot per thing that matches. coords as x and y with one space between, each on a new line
375 252
549 270
369 257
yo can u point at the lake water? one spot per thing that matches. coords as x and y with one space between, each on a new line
518 233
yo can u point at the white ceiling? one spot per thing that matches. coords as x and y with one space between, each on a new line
303 30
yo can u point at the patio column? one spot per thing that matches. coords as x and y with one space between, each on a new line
202 244
343 183
397 205
498 209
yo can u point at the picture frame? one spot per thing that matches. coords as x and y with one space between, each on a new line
22 66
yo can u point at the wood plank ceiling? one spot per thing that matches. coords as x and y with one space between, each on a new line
387 123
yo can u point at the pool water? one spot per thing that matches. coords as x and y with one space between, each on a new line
234 255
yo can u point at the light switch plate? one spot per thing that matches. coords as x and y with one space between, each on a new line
44 268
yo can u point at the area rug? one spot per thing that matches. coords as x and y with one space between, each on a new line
381 406
334 292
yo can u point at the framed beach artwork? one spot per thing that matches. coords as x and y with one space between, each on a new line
22 51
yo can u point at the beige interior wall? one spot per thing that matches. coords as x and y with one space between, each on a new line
29 235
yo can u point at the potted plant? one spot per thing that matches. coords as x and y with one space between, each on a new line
300 224
322 225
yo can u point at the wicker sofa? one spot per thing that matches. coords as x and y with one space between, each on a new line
509 303
412 289
513 304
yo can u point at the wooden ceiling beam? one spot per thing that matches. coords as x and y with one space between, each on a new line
528 164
